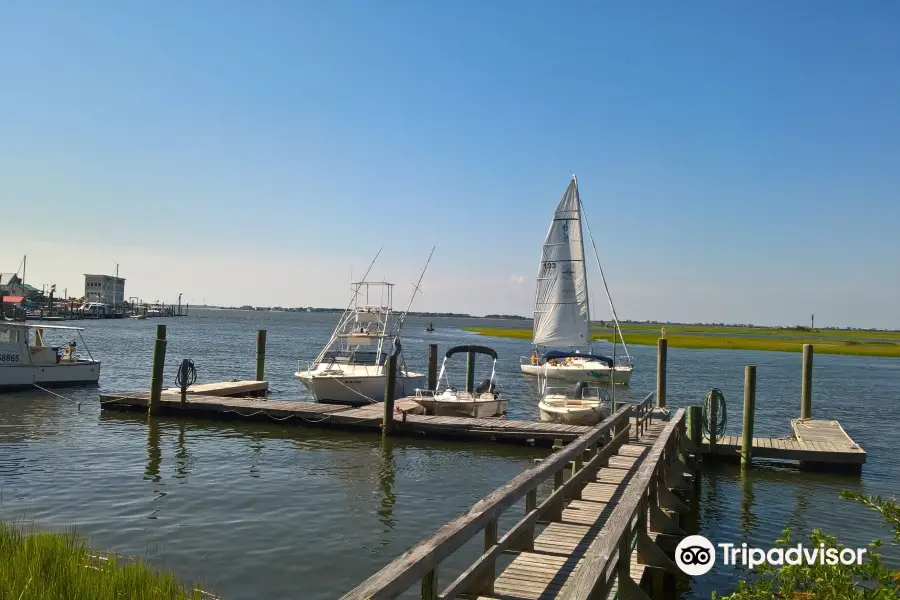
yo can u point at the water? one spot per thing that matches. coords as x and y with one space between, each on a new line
253 510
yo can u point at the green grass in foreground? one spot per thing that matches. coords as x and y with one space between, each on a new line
37 565
736 342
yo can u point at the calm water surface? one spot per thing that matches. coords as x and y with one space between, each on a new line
259 510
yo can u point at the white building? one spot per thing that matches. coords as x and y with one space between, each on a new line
104 288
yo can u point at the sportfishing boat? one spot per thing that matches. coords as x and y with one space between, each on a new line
350 369
26 359
482 400
562 305
587 405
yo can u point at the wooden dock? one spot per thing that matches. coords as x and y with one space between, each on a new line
607 526
234 388
345 417
816 444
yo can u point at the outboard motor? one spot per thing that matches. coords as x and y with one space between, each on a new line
483 387
579 389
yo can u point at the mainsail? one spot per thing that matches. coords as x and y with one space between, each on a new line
561 314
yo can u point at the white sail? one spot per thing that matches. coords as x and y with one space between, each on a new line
561 314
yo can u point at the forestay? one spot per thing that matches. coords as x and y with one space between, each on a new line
561 314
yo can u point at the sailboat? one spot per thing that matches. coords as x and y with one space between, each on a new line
350 369
562 307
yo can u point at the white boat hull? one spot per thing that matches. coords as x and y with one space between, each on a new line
356 390
21 376
572 412
593 373
463 408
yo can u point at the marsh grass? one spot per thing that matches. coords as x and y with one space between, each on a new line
734 342
40 565
798 331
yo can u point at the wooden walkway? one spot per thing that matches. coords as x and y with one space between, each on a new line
309 414
226 388
816 443
600 531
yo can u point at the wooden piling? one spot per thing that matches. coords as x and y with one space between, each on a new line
390 385
159 363
806 384
713 422
260 354
432 367
662 349
470 372
695 424
749 414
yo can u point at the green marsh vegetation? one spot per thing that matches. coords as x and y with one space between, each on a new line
852 343
40 565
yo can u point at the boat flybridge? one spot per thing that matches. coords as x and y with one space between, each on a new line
27 359
350 369
562 307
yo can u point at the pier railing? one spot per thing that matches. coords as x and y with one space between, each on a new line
585 456
607 561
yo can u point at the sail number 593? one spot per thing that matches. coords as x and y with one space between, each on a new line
549 265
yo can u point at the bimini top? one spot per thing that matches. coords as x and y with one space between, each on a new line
556 354
471 348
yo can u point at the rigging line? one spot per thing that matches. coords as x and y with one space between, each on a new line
603 278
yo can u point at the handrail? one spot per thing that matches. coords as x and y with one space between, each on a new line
595 575
422 560
643 415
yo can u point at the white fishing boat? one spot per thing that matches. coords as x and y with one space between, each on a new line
562 306
586 405
482 400
350 369
26 359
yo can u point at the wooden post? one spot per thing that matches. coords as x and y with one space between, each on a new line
159 363
662 350
260 354
695 424
470 372
713 423
432 367
390 385
749 410
806 384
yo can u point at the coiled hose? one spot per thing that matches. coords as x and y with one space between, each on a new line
716 396
187 374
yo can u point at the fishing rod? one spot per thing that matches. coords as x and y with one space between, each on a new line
416 289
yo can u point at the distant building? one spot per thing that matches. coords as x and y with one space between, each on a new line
104 288
11 285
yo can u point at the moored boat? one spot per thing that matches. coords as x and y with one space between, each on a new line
482 400
26 359
586 405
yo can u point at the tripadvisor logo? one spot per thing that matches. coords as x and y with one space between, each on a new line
696 555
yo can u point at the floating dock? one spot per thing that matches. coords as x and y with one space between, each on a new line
225 388
204 404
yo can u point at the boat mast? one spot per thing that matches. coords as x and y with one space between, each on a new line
415 291
590 340
605 286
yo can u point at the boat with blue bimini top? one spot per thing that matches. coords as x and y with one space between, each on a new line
28 359
482 400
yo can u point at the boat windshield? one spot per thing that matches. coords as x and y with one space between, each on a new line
355 357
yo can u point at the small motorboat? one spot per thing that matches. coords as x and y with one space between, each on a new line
430 328
27 359
478 401
588 405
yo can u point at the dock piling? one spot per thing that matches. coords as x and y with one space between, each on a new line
806 385
432 367
695 425
260 354
390 385
713 422
749 414
159 363
662 350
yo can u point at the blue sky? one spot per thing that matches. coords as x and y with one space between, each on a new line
738 160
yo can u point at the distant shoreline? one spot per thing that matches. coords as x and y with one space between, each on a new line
834 341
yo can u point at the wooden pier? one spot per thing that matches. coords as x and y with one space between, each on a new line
606 526
370 417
